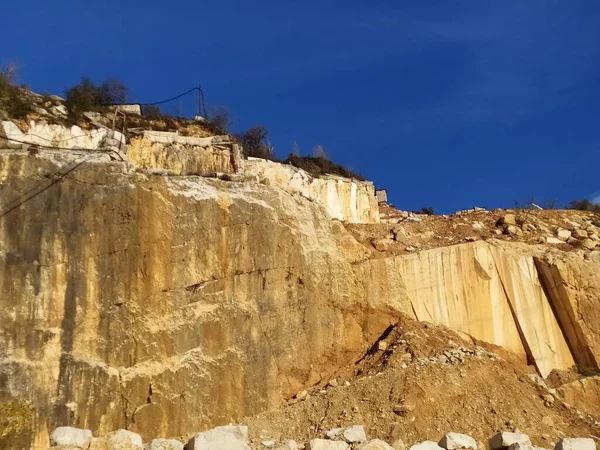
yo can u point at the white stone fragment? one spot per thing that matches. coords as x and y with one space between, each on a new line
232 437
505 439
576 444
453 441
75 437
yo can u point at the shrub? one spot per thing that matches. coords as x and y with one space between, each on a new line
427 210
255 143
12 98
219 120
319 166
112 92
86 96
151 111
585 205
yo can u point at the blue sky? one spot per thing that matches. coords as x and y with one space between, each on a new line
450 104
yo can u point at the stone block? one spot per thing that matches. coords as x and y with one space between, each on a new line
576 444
355 433
505 439
453 441
71 436
232 437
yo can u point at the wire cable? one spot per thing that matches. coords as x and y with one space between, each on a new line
171 99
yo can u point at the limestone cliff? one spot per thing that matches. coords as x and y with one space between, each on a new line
168 305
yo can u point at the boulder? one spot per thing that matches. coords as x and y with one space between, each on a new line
579 234
553 240
375 444
334 433
124 440
512 230
507 219
427 445
164 444
231 437
355 433
589 243
563 234
453 441
576 444
382 245
324 444
75 437
505 439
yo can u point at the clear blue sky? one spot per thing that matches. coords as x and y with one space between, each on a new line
450 104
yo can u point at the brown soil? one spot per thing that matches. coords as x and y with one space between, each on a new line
428 382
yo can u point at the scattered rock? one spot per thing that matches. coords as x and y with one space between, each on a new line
512 230
124 440
507 219
553 240
301 395
355 433
453 441
324 444
332 383
231 437
579 234
563 234
375 444
403 409
410 248
268 443
382 346
75 437
589 243
165 444
576 444
334 433
505 439
382 245
528 227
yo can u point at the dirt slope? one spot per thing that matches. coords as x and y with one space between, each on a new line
427 382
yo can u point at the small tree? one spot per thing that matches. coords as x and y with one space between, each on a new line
82 97
219 120
295 149
86 96
12 98
152 111
254 141
319 152
112 92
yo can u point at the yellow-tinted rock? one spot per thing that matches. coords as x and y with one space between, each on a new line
582 394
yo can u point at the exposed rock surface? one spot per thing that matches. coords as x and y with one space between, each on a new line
125 295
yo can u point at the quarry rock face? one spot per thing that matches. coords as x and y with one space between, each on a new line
170 305
125 298
182 155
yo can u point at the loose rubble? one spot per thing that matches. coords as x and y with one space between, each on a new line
235 437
